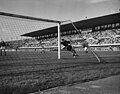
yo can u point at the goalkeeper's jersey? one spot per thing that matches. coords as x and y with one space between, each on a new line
65 43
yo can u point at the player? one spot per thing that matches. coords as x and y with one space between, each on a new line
2 47
110 47
85 45
43 49
68 47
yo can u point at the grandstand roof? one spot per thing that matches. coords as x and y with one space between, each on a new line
83 24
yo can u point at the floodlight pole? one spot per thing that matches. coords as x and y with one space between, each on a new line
59 40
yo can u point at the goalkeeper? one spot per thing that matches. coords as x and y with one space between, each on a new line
68 47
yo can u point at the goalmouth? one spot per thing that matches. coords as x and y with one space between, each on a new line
7 20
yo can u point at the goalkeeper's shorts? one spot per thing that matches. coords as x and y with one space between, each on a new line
69 48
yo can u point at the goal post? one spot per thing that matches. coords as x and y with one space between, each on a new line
59 42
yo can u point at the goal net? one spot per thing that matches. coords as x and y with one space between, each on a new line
13 28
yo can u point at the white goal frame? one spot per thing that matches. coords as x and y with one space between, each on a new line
39 19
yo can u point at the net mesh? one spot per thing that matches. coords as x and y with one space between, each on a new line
13 27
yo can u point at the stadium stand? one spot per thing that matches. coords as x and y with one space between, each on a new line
100 30
104 37
104 27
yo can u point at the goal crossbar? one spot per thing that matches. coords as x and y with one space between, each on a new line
28 17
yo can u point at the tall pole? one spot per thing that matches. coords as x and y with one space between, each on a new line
59 39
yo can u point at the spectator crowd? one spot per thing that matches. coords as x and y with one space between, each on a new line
97 37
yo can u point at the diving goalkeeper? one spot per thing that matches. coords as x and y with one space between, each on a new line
68 47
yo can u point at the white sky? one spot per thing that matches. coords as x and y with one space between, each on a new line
74 10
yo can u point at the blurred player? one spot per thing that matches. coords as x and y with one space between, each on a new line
110 47
43 49
85 45
2 48
68 47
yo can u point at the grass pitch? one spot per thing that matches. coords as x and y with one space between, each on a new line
27 71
